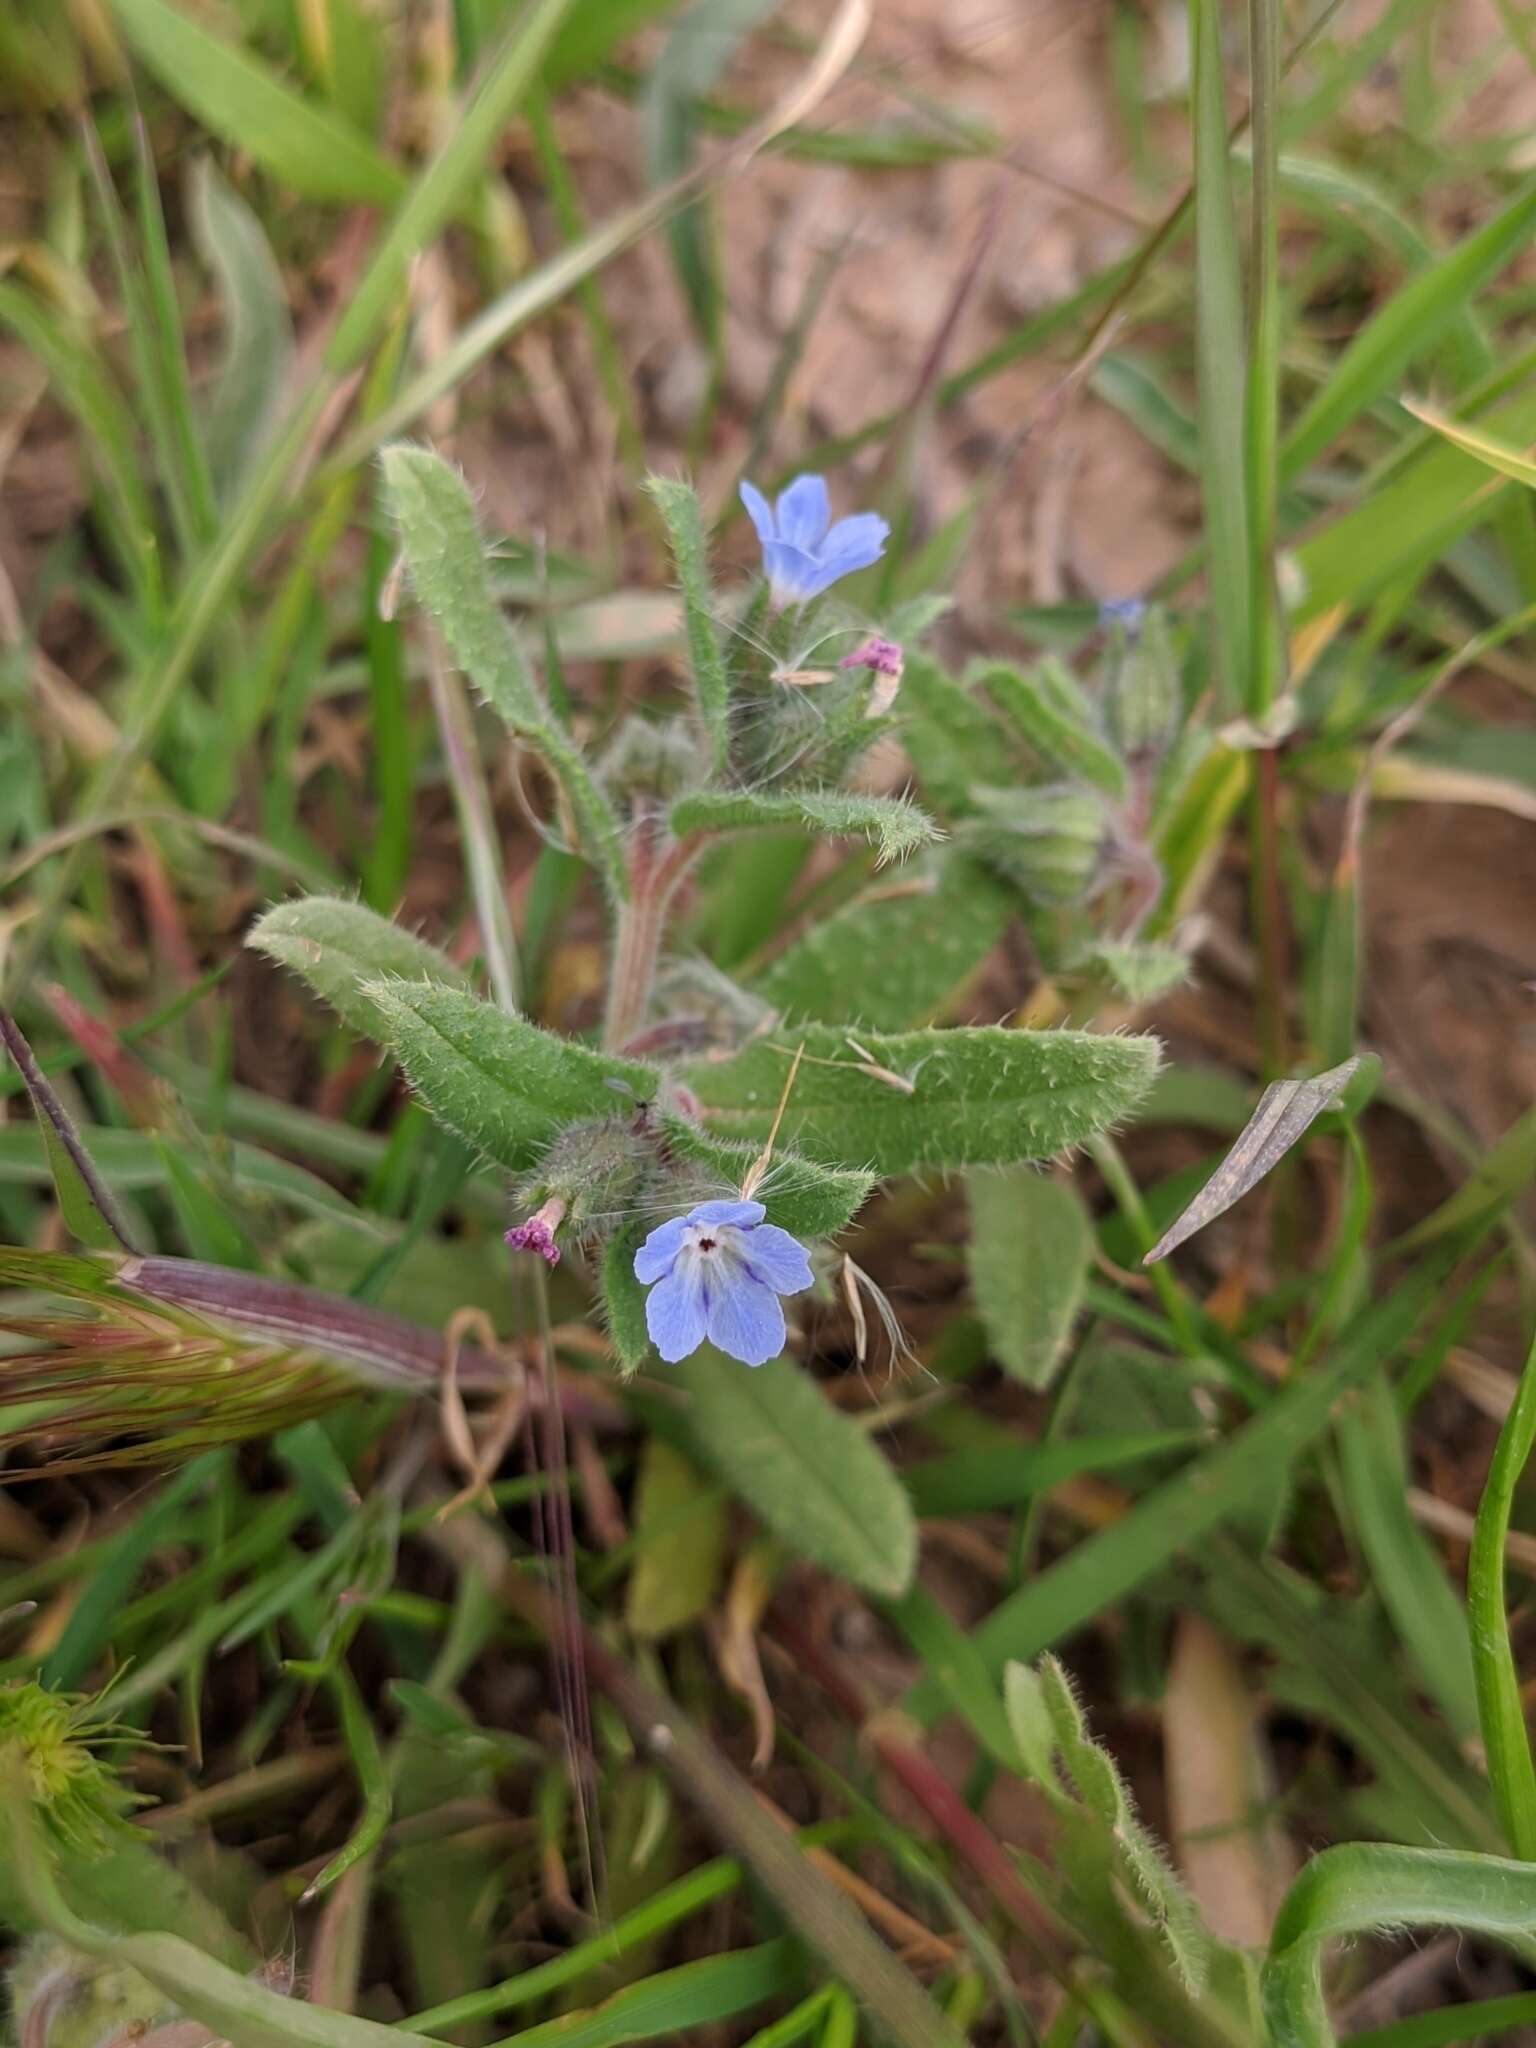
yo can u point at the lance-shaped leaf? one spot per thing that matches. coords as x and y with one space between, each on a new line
898 1102
891 824
337 946
501 1083
678 505
445 555
896 957
1048 708
1286 1109
1030 1248
808 1472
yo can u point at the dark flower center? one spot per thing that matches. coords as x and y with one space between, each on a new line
706 1244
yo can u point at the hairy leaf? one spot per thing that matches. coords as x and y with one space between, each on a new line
891 824
1030 1247
445 554
678 505
809 1473
892 959
1056 721
336 946
977 1097
504 1085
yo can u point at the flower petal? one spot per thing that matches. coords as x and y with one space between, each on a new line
654 1258
774 1257
854 543
742 1214
759 511
804 512
792 573
744 1318
675 1310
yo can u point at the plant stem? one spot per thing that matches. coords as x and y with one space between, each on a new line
654 875
1500 1706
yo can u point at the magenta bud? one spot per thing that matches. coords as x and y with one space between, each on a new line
537 1234
883 656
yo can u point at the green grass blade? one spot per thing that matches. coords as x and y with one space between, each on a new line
437 193
1406 328
1177 1514
83 388
1220 353
1266 655
1500 1700
235 96
1488 2019
1405 1569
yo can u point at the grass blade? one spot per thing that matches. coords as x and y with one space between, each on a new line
312 151
1406 328
1500 1702
1220 353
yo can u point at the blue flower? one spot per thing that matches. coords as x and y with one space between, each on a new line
803 552
718 1273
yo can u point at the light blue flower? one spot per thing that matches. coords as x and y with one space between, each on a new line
717 1273
803 552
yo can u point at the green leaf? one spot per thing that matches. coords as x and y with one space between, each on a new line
624 1298
1407 327
1365 1887
445 555
501 1083
891 824
1139 971
309 149
810 1474
680 1525
679 507
892 960
257 331
1050 711
800 1195
1031 1245
337 946
977 1097
1408 521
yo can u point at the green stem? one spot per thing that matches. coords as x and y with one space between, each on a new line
1499 1702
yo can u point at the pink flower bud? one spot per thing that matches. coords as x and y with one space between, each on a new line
537 1234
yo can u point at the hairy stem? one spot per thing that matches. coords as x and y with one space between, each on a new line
655 871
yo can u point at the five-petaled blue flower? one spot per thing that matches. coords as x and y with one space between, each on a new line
803 552
718 1273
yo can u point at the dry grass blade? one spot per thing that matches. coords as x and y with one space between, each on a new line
1286 1109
